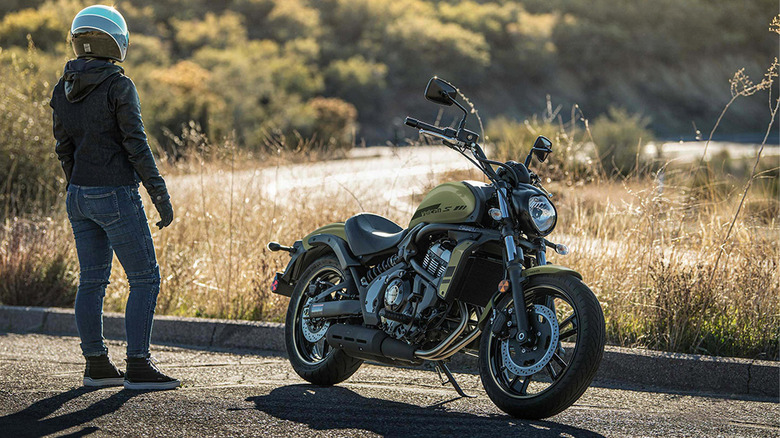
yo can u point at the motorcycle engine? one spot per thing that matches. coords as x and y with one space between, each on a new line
410 300
399 308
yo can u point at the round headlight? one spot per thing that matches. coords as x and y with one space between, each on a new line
542 213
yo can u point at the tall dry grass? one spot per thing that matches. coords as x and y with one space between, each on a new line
37 266
650 256
644 245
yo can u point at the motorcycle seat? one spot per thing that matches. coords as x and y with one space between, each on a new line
370 233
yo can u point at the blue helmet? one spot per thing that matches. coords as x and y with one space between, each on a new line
100 32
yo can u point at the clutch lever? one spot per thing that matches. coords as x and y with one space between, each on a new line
449 141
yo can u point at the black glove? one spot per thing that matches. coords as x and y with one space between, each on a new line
166 213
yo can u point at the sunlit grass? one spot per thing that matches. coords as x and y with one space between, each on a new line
647 251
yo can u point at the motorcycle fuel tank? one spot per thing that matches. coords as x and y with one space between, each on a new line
450 203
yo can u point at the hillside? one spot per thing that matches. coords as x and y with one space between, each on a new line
261 68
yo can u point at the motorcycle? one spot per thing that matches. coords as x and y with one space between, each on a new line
469 273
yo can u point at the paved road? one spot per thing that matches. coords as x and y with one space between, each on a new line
228 394
377 178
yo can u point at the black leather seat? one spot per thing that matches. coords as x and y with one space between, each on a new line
370 233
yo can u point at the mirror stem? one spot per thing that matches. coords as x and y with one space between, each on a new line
528 158
465 114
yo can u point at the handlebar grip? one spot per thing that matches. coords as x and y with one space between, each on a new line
414 123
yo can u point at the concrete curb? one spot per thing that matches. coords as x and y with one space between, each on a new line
644 369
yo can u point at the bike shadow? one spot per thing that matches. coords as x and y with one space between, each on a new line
337 408
32 421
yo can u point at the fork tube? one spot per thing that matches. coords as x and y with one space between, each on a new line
514 267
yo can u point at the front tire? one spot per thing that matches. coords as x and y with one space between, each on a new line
310 355
552 373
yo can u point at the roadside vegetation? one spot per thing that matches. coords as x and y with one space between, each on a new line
683 255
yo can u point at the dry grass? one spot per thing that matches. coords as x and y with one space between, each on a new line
37 266
646 249
650 255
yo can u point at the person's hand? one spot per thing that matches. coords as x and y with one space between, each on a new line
166 213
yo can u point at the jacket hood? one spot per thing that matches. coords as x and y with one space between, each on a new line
81 76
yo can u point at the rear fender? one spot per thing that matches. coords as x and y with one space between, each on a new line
329 238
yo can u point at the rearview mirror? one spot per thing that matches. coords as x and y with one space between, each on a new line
440 91
542 148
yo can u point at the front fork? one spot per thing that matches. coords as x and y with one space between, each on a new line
514 268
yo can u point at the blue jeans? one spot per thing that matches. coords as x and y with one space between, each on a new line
106 220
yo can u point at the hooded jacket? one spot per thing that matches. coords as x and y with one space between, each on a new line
100 135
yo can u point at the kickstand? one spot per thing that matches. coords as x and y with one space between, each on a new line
441 367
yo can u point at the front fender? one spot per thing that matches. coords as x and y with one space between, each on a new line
536 270
551 270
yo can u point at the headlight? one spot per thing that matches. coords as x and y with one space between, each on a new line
534 212
542 214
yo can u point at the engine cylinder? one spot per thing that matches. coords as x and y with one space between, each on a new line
436 259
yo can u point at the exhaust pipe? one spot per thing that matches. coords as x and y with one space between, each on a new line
363 342
331 309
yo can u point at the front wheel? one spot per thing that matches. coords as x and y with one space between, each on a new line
549 373
310 354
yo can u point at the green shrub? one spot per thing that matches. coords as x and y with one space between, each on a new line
619 138
179 95
571 158
357 80
44 27
220 31
31 179
334 122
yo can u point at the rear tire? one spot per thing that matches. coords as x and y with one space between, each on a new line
547 392
315 362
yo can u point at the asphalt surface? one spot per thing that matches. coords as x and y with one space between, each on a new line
232 394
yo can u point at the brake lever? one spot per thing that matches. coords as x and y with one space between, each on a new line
450 141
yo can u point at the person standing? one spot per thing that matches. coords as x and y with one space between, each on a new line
103 149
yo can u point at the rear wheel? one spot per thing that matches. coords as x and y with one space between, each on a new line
310 354
547 375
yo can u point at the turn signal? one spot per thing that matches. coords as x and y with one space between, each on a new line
503 286
561 249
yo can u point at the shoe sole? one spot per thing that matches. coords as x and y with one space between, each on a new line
151 385
112 381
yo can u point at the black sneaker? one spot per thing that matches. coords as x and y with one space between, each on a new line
142 374
101 371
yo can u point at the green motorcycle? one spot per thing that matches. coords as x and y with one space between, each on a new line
468 273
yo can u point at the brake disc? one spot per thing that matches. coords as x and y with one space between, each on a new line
524 360
311 331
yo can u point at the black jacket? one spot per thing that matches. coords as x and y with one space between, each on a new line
100 135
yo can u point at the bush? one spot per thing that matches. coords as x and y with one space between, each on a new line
181 94
31 179
36 265
571 158
619 138
334 122
43 26
220 31
357 80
